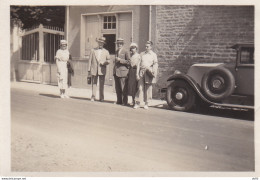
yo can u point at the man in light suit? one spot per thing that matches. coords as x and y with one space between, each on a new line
146 74
98 60
120 73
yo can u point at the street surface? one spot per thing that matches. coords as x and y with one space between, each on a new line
50 134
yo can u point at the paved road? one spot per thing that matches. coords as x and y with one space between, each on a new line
53 134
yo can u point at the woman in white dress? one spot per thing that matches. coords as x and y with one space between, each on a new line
62 57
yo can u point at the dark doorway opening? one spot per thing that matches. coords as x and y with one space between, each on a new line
110 43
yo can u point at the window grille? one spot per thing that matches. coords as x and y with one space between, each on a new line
30 47
51 45
109 22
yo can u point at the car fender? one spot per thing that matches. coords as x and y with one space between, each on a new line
191 82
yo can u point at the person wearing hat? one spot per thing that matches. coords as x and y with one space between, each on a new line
98 60
62 57
146 74
132 80
121 72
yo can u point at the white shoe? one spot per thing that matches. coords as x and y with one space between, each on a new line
66 96
92 99
146 107
62 96
136 106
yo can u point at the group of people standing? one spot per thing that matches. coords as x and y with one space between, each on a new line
133 73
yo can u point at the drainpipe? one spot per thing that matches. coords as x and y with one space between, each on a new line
67 23
150 22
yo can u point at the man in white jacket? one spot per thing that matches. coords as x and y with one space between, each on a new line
99 58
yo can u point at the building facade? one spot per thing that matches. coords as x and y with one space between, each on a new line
182 36
87 23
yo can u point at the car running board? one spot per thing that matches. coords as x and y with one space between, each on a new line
233 106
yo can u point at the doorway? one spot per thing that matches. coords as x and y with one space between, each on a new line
111 26
111 47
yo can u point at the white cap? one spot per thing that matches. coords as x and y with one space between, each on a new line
63 42
133 45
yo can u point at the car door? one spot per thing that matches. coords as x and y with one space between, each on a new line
245 71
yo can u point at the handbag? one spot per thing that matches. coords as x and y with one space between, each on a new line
150 73
70 69
89 79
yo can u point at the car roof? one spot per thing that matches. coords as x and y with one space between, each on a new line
239 45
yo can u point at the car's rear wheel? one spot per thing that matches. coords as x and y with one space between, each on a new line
180 96
218 84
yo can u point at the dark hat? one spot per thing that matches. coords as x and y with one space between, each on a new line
119 40
149 42
101 39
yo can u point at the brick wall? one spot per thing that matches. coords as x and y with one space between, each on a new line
186 35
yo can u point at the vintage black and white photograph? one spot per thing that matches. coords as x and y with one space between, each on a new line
132 88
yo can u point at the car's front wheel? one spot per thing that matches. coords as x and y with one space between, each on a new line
180 96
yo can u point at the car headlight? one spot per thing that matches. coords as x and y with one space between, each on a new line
177 72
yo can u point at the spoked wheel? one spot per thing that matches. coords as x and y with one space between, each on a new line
180 96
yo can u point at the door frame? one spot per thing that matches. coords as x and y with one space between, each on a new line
109 73
83 25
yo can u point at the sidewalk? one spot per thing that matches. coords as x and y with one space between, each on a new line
75 92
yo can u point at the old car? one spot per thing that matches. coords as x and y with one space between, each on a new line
219 84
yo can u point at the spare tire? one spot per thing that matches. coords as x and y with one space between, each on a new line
218 84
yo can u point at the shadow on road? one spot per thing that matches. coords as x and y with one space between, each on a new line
50 95
111 102
227 113
80 98
209 111
88 99
220 112
73 97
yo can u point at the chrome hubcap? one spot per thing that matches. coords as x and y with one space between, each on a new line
216 84
179 95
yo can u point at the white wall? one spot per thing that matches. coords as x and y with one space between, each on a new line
14 50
